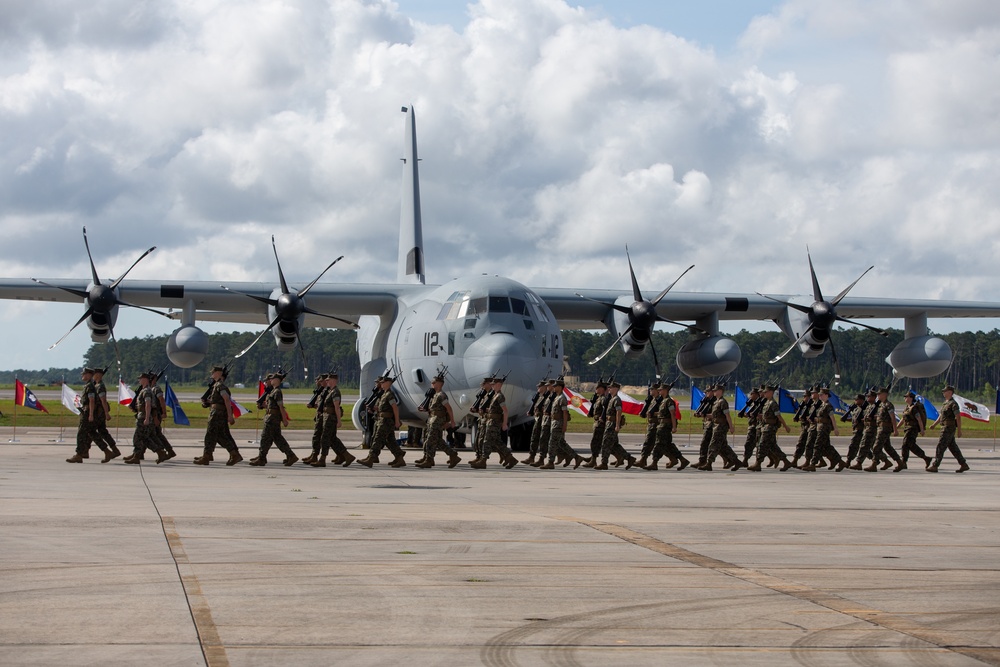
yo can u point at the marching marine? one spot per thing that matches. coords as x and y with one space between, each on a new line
143 438
535 411
495 410
950 419
220 418
666 426
913 423
598 407
770 419
316 403
648 413
439 417
273 404
855 415
886 418
101 413
85 432
386 423
558 417
825 423
332 413
722 426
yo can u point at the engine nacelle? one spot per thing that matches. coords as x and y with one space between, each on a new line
920 357
706 357
187 346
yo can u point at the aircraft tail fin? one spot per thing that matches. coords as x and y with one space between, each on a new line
411 242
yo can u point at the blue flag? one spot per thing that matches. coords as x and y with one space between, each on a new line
929 408
171 399
786 403
838 405
697 395
741 399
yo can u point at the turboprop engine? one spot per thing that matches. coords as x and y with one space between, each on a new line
707 357
187 346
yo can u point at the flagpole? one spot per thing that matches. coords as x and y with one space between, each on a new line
60 437
256 421
118 410
13 436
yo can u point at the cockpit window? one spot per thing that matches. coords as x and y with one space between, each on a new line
455 307
499 304
478 306
518 307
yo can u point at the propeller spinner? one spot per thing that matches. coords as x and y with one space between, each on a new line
289 306
642 316
101 299
822 316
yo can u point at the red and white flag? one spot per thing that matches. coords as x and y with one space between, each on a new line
577 402
125 393
971 409
71 399
238 410
630 406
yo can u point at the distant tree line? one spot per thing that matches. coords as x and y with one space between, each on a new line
975 371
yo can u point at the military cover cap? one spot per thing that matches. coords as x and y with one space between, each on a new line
324 376
859 397
542 383
385 378
218 367
332 375
949 388
279 374
88 369
770 387
824 390
489 378
102 371
883 390
497 378
667 385
144 374
872 392
615 384
438 378
559 381
755 390
268 377
910 394
602 383
720 385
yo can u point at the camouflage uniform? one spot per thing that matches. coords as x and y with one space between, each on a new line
609 443
767 446
330 422
869 419
753 432
598 409
100 418
949 425
86 433
434 431
545 431
557 430
800 446
317 437
855 414
824 426
719 445
493 439
273 417
385 426
886 425
143 438
812 431
159 407
664 438
536 428
218 432
652 421
911 420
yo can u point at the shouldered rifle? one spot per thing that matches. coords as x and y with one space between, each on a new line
263 397
704 406
315 397
428 395
649 399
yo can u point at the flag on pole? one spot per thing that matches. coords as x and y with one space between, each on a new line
786 403
71 399
577 402
238 410
125 393
929 408
261 388
25 398
630 406
741 400
697 396
975 411
175 405
838 405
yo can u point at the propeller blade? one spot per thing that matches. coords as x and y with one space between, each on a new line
270 326
792 346
656 361
302 350
132 305
817 292
801 309
636 294
310 285
837 299
93 269
612 346
864 326
836 362
620 309
118 354
681 324
354 325
83 294
114 285
281 276
664 292
270 302
90 311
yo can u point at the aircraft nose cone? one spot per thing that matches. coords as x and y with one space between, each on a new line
494 353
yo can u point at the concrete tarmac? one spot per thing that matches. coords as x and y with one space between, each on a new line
180 564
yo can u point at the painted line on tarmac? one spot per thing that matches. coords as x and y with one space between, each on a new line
942 638
208 634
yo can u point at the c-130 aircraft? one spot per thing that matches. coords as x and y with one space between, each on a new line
477 326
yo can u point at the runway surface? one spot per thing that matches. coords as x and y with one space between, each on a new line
179 564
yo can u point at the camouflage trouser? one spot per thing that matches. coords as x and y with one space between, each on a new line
855 446
543 438
750 444
610 445
650 441
767 447
706 440
493 440
947 442
317 439
143 439
434 438
719 445
480 442
385 436
536 434
596 440
883 446
103 434
161 439
218 433
824 449
664 444
85 435
800 446
810 448
867 445
910 445
271 434
557 443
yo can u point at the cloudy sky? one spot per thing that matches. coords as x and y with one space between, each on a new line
727 134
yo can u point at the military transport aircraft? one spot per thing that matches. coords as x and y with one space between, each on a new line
486 324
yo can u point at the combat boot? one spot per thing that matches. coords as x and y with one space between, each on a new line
348 459
337 460
840 466
785 465
643 462
112 453
170 453
290 458
234 458
539 463
258 462
135 460
319 463
618 461
670 464
426 462
76 458
204 459
578 461
872 468
420 460
511 462
601 466
367 461
255 459
684 463
631 462
547 466
962 467
932 467
795 462
900 465
478 464
309 459
886 464
161 456
927 461
398 462
590 463
707 467
649 466
528 461
856 466
755 467
737 464
453 460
